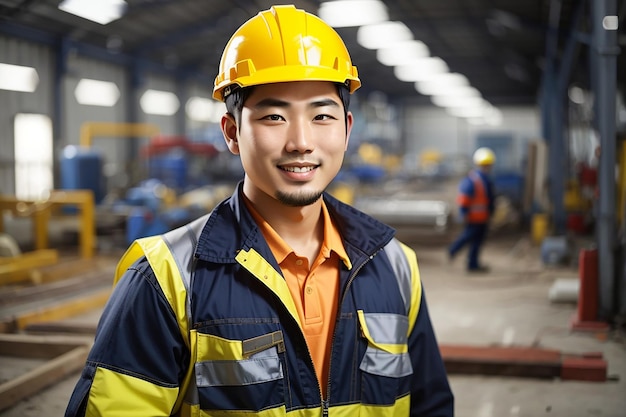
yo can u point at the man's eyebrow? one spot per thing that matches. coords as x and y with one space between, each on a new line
271 102
324 103
274 102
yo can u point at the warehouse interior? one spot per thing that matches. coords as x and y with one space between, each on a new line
114 135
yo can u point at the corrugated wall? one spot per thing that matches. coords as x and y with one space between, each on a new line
117 152
114 151
17 52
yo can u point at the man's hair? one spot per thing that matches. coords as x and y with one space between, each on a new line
236 99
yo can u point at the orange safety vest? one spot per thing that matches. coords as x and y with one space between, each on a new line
478 204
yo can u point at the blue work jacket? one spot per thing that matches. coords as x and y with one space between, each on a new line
201 323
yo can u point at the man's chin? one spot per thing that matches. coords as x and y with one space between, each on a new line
299 199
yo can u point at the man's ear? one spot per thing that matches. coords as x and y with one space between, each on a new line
349 124
229 130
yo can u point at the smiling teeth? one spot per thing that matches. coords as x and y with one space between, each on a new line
298 169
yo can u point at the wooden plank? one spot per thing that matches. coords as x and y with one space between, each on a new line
17 268
31 382
60 311
64 310
63 269
63 327
16 295
38 346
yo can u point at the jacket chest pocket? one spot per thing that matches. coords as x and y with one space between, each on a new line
240 375
386 361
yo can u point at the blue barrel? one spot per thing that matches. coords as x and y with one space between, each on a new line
171 169
81 169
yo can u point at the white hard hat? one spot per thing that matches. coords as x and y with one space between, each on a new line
484 156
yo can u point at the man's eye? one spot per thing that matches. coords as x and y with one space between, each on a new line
273 117
324 117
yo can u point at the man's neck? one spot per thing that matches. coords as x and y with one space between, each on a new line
302 228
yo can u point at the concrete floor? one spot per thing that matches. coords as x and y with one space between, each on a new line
509 306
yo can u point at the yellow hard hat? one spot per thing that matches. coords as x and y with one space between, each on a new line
284 44
484 156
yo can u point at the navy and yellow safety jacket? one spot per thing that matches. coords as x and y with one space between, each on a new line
201 323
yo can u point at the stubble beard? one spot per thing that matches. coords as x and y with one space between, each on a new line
298 199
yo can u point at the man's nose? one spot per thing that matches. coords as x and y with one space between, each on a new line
300 137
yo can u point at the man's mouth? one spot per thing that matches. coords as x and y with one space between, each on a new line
298 169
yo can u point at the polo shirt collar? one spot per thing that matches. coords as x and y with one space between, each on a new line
332 238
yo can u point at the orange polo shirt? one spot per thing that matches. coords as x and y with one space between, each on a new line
314 288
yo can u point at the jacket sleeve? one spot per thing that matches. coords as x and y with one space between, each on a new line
431 394
139 357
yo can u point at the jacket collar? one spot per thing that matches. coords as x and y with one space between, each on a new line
231 228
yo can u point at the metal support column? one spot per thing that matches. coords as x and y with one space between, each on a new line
605 50
132 103
552 122
181 115
58 129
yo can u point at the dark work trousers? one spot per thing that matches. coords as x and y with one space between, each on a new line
474 235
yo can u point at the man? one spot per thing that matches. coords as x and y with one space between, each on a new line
476 205
282 301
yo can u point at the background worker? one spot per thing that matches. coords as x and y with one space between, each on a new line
282 301
475 199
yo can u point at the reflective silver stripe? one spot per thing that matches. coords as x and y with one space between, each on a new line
379 362
263 366
401 269
386 328
182 244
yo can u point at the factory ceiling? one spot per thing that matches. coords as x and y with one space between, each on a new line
499 45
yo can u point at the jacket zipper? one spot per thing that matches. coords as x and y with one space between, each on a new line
325 403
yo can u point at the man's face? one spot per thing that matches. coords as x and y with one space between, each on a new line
291 139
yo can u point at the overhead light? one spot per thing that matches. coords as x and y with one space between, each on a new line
610 22
18 78
484 109
99 11
380 35
420 69
491 116
162 103
402 52
346 13
96 93
450 100
441 83
466 112
461 92
203 109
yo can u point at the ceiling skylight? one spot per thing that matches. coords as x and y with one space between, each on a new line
18 78
203 109
162 103
96 93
